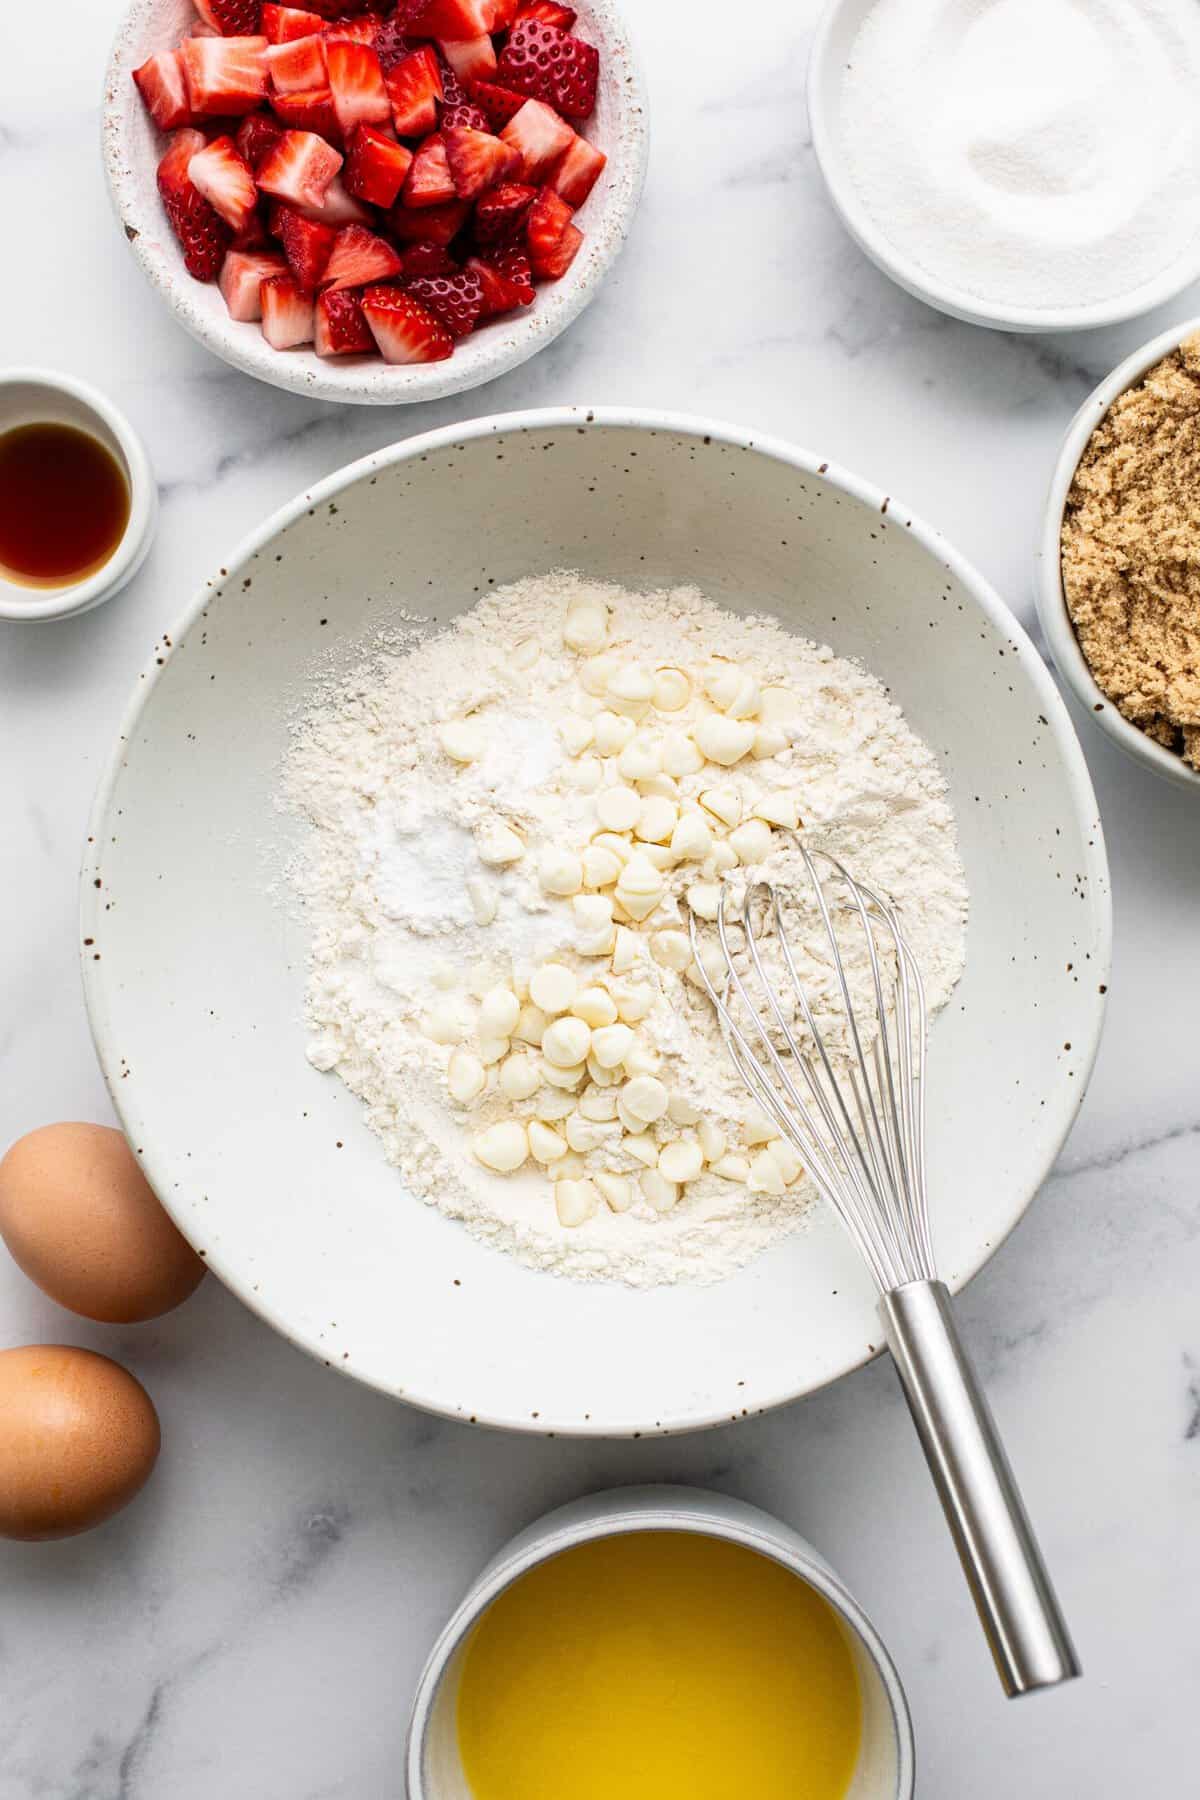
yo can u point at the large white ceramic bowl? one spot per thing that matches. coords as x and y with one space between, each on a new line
133 146
194 969
1053 611
831 51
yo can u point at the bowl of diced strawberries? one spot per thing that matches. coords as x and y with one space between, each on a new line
375 201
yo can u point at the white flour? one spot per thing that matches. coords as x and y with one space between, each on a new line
395 829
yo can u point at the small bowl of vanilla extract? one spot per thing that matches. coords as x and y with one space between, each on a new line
78 503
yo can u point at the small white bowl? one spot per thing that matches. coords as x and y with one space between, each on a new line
1051 599
884 1770
831 51
133 147
40 397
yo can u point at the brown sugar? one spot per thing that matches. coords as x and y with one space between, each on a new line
1131 552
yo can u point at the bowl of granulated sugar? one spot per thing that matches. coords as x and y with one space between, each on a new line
1030 165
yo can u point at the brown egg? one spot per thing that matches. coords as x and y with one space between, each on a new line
78 1438
82 1221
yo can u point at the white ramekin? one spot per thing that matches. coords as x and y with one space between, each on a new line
39 396
831 51
1052 601
885 1769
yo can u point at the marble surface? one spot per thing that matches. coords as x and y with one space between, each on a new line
253 1626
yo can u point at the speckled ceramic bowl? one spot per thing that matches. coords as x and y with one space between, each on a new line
1064 647
195 969
133 146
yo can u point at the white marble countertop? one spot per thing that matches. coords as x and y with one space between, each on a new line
253 1626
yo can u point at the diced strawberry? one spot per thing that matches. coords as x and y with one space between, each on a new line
510 260
477 161
455 300
499 103
253 235
232 18
225 76
428 224
391 45
202 232
297 67
306 244
226 182
359 257
414 87
453 19
472 59
549 12
578 172
288 313
162 86
501 14
500 213
284 24
546 231
256 137
312 111
551 65
540 136
465 114
339 328
499 295
402 328
376 166
354 31
356 83
428 259
429 181
300 168
242 276
339 207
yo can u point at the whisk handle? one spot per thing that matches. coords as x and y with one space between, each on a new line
996 1546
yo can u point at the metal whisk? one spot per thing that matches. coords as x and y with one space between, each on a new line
853 1106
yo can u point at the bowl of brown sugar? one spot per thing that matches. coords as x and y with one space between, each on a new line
1119 578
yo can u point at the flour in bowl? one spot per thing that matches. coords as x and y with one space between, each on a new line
509 824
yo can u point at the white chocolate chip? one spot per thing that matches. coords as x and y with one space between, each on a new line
585 774
576 734
672 689
620 847
657 1191
612 733
732 1168
657 819
531 1023
591 911
765 1176
562 1075
527 652
672 949
745 698
571 1167
610 1044
790 1166
575 1202
553 1104
598 942
666 785
724 803
713 1142
502 1147
642 1059
618 808
560 872
545 1146
722 740
751 841
466 1077
599 1104
499 1011
704 898
616 1191
645 1097
496 845
595 1006
630 689
712 957
600 867
640 887
680 1161
585 627
758 1129
721 859
594 673
566 1043
691 839
641 759
585 1134
552 987
682 1112
642 1147
482 895
625 950
680 754
518 1078
463 740
769 740
447 1022
778 808
601 1076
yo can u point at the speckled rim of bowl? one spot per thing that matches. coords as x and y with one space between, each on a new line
39 605
1055 618
616 1512
580 417
502 346
824 72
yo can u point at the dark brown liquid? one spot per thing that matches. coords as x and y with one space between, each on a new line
64 505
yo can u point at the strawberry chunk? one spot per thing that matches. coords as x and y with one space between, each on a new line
428 224
242 275
429 181
339 328
161 84
414 87
354 31
202 232
428 259
288 313
284 24
578 172
477 160
339 207
231 18
391 44
472 59
540 136
454 19
499 295
501 14
359 257
403 329
549 12
299 168
256 137
297 66
551 65
356 83
311 111
455 300
225 76
376 166
501 212
499 103
546 224
466 114
306 244
226 182
510 261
